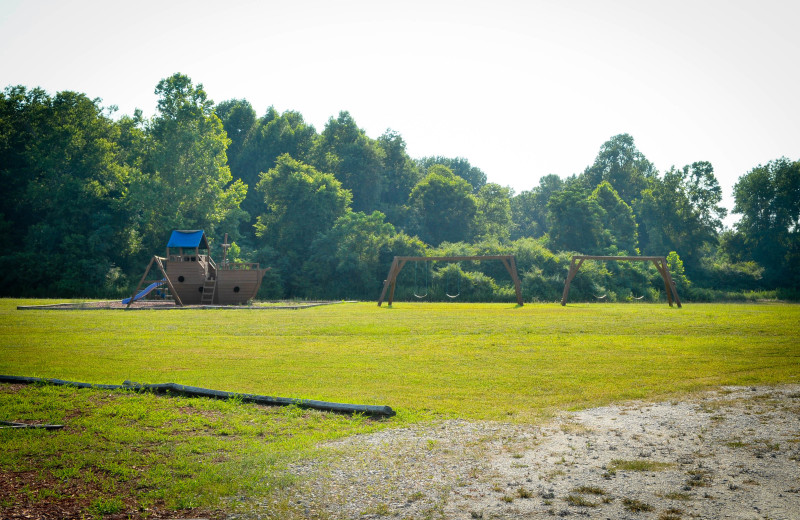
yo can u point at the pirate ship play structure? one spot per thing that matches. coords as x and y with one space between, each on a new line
193 278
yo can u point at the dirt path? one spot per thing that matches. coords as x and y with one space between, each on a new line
733 453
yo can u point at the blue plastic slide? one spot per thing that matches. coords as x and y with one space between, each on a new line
145 291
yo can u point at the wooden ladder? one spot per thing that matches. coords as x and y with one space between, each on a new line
209 287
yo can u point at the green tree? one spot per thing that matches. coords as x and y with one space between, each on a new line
400 172
446 206
356 160
238 119
681 212
459 166
529 208
185 181
272 135
768 198
300 202
352 259
65 180
619 233
677 272
623 166
704 194
576 222
493 218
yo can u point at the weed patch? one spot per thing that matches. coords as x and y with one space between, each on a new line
638 465
579 501
591 490
636 506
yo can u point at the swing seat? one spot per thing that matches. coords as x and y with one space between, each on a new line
601 297
451 296
638 297
417 284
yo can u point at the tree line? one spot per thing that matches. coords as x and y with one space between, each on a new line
88 197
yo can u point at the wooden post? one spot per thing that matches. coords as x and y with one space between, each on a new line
671 284
388 281
135 291
399 268
511 267
661 266
573 270
169 283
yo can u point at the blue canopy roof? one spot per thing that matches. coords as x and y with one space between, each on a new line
191 238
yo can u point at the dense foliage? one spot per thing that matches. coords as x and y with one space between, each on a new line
88 197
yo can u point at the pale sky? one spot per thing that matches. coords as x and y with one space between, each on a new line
521 89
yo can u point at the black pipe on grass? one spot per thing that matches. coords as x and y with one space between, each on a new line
193 391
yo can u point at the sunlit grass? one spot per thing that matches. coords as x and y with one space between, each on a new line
141 453
479 361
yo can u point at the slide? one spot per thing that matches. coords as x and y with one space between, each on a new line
145 291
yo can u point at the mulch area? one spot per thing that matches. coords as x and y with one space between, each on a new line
169 305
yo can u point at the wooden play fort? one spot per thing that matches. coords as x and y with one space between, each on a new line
193 278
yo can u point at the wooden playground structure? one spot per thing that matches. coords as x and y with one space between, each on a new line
659 261
509 261
193 278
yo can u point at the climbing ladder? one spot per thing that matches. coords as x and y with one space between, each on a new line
209 287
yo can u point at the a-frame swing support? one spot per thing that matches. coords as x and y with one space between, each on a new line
509 261
160 263
659 261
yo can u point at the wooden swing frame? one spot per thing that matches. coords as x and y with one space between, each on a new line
509 261
659 261
160 263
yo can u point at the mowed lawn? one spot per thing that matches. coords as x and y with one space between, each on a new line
474 361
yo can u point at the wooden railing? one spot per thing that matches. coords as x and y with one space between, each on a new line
238 266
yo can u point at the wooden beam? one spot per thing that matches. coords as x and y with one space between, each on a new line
515 277
399 268
141 281
169 283
671 283
388 281
511 266
573 270
662 270
618 258
451 258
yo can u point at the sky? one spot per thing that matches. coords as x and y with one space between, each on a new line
521 89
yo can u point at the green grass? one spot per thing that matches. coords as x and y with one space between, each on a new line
158 453
473 361
491 361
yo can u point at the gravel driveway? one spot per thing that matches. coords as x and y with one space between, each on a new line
732 453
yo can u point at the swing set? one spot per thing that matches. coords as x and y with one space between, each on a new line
659 261
449 284
509 261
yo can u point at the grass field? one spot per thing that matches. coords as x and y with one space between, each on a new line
472 361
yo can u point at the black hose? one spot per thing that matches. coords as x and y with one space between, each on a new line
193 391
23 426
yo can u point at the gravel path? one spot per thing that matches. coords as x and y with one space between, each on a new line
733 453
